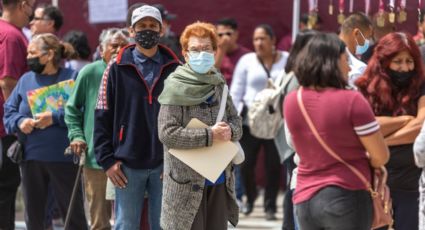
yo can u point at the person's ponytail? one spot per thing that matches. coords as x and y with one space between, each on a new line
67 51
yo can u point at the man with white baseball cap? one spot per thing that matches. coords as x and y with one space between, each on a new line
126 135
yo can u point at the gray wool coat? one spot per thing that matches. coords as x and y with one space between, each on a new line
182 186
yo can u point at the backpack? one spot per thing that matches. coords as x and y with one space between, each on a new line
264 114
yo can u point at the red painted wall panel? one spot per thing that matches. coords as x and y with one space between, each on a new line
249 13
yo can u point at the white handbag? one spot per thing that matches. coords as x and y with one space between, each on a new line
240 155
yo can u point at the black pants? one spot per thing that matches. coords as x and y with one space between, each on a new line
335 208
288 207
212 213
36 176
9 181
406 209
251 145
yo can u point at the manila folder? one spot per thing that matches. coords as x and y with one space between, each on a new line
209 162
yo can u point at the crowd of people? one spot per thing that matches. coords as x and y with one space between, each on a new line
349 102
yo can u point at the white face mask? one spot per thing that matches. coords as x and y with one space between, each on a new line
201 62
362 49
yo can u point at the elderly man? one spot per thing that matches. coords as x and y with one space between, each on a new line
47 19
126 134
13 45
79 117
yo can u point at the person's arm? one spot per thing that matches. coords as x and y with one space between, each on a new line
172 133
12 117
219 55
391 124
104 121
222 47
376 148
48 118
288 135
419 148
408 133
239 81
13 64
74 114
7 84
234 120
368 131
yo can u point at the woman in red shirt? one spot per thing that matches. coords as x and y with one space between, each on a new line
393 83
328 194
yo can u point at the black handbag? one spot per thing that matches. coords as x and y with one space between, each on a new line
15 152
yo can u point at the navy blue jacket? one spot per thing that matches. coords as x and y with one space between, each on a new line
125 126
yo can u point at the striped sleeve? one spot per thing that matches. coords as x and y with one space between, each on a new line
367 128
102 102
362 117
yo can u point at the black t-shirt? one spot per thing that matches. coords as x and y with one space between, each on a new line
402 171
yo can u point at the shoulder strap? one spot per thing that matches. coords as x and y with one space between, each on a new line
324 145
222 103
286 79
283 88
264 67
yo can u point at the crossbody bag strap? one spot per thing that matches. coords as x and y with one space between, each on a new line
324 145
223 101
265 68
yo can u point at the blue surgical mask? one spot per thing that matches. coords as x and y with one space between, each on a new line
201 62
362 49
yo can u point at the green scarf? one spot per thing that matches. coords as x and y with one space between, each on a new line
186 87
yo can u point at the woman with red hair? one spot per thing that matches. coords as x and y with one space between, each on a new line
393 84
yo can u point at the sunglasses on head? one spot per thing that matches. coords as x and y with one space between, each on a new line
226 33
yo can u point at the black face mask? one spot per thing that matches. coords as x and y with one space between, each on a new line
147 38
35 65
401 79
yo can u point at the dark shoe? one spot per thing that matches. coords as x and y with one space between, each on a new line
247 209
270 215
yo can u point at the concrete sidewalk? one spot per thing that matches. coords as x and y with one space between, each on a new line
255 221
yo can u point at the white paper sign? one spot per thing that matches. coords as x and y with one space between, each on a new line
103 11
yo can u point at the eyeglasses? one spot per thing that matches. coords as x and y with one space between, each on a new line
198 50
225 33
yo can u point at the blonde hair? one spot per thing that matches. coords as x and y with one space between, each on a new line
60 49
199 29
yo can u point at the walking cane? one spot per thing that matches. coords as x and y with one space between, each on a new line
76 185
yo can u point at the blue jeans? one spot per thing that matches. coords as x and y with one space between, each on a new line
240 191
129 201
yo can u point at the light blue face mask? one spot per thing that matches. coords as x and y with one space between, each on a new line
201 62
362 49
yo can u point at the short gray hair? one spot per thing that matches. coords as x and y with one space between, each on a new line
111 33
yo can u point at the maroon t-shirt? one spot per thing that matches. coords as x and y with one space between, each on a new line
229 62
340 116
13 62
